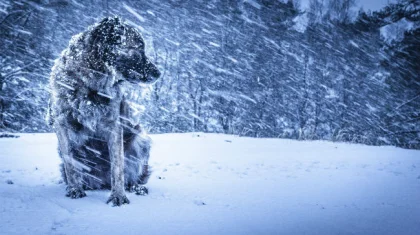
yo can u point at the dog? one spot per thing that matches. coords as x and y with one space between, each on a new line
101 143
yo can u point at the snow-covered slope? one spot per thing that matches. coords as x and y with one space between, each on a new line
220 184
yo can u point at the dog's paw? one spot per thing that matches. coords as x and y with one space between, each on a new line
141 190
74 193
138 190
118 199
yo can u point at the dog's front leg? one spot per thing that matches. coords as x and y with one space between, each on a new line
116 152
73 175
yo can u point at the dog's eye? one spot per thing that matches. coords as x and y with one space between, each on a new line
132 52
135 54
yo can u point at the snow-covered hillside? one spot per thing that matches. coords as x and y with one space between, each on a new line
220 184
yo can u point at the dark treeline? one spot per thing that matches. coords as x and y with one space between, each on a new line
253 68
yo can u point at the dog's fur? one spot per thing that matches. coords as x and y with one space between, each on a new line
100 140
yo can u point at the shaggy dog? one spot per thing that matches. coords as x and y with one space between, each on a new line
100 140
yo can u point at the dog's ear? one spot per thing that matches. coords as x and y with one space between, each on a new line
110 29
133 38
102 41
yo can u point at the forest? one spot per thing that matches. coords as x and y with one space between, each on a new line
253 68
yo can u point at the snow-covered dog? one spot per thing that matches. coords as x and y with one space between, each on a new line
100 139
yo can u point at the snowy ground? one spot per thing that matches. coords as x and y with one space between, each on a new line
220 184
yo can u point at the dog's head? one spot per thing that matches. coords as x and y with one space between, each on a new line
114 43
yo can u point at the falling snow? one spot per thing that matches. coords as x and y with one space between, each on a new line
251 68
264 69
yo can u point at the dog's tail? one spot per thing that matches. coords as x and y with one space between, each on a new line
137 153
145 175
63 173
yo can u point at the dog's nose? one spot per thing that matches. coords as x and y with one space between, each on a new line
152 73
152 70
156 73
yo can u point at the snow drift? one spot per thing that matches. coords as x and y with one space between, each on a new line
221 184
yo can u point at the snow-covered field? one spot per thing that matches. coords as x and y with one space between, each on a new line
220 184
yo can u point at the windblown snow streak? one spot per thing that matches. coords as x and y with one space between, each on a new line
252 67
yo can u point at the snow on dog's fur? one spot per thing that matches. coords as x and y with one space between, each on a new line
100 139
